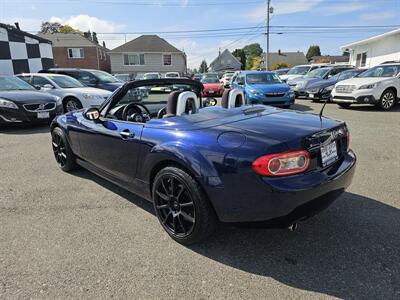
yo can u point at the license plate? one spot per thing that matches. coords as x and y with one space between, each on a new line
43 115
329 154
211 92
310 95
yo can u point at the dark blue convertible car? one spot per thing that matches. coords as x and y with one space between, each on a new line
200 165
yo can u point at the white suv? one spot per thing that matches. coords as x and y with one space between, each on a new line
379 85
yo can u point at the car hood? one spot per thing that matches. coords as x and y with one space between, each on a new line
269 88
27 96
212 85
90 90
111 86
359 81
322 83
290 77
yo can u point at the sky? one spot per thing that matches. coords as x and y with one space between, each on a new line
117 20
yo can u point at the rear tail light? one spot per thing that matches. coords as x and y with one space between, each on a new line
282 164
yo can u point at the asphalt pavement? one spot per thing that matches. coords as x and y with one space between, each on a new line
78 236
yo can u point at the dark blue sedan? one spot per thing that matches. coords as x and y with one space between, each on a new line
263 87
200 165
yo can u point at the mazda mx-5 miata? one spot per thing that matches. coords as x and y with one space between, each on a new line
203 164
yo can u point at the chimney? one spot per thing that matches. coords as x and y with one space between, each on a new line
17 25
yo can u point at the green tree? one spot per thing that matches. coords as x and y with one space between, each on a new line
241 56
279 65
255 63
50 27
203 67
252 51
314 50
67 29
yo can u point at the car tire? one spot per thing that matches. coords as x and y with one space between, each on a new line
182 207
71 104
344 105
65 159
387 100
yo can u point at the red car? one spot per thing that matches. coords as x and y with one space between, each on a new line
212 87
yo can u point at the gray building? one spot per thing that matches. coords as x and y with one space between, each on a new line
147 53
290 58
225 61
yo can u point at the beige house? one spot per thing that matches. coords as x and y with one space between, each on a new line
147 53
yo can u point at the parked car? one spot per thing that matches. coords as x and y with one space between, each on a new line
20 102
197 77
264 87
212 87
203 165
226 79
153 75
92 78
74 95
210 75
300 71
321 89
282 71
172 75
123 77
379 85
300 84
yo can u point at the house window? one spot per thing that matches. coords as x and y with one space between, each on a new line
76 53
167 59
361 59
133 59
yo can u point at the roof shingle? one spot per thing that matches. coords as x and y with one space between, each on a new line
146 43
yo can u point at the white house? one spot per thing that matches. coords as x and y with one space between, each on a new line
375 50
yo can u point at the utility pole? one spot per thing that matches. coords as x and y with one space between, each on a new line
267 36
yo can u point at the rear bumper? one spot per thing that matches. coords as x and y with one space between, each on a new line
283 200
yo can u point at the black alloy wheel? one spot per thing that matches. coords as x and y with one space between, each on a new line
181 207
62 152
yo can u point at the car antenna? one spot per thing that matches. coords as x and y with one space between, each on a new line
322 109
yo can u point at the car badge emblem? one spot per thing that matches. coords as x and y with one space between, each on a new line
41 106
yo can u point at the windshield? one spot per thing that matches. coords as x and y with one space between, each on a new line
14 83
262 78
104 77
298 71
122 77
381 71
151 76
317 73
210 80
65 82
347 74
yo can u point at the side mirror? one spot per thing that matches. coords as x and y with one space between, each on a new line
38 87
227 86
92 114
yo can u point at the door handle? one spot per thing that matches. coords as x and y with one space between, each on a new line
126 134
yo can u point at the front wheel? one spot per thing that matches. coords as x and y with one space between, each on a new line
62 152
182 207
388 100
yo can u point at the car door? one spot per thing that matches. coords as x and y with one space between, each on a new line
111 145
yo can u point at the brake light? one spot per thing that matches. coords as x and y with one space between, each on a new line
281 164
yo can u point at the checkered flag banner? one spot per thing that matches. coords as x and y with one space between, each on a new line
21 52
